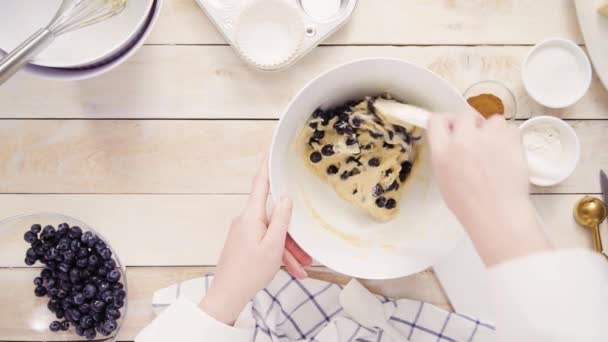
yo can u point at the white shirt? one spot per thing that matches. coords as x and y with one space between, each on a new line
553 296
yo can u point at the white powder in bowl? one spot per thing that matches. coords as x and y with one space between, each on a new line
543 143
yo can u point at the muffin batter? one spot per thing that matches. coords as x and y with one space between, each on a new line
366 160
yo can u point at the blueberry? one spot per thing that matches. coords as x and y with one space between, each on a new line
99 316
313 125
376 135
318 135
102 271
79 330
373 162
51 265
113 276
69 255
99 246
110 325
30 253
89 291
406 168
106 254
55 326
82 262
53 291
351 141
87 321
75 245
59 313
328 150
48 230
36 228
377 191
393 186
356 122
30 261
90 334
315 157
65 285
76 315
98 305
317 113
345 175
75 232
61 293
52 305
63 226
65 325
85 308
93 260
118 303
63 276
391 204
117 286
30 237
40 291
381 202
79 299
77 287
74 273
52 253
64 267
332 170
112 313
107 296
86 237
355 172
388 146
120 294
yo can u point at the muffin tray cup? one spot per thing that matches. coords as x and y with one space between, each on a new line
313 27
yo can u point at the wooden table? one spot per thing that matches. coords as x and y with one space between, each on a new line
158 154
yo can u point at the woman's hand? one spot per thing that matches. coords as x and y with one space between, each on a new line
253 252
482 172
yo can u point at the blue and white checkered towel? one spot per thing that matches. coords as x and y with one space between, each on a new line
310 310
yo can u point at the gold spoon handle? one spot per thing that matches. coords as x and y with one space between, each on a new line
597 238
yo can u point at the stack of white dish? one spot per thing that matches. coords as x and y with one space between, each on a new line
83 53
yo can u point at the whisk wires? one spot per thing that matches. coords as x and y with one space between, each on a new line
75 14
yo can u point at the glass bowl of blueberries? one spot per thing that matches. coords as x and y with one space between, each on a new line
60 280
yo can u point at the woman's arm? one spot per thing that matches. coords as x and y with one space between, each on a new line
255 247
483 176
539 294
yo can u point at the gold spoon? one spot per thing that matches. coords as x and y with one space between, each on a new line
590 212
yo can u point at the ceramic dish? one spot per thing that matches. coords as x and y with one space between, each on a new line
17 288
73 74
83 47
551 172
338 235
556 73
595 32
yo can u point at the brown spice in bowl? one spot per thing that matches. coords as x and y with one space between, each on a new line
487 104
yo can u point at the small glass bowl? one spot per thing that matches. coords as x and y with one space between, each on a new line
498 89
23 315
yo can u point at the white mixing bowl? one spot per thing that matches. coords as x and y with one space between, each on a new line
334 232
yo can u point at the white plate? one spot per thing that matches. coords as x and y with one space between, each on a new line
86 46
335 233
595 31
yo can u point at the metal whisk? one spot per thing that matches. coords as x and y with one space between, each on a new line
71 15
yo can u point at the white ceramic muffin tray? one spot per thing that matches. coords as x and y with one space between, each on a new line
271 35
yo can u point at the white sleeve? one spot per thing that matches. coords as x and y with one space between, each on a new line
183 321
554 296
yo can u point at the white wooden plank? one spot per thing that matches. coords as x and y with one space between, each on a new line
196 157
406 22
211 82
182 230
16 295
